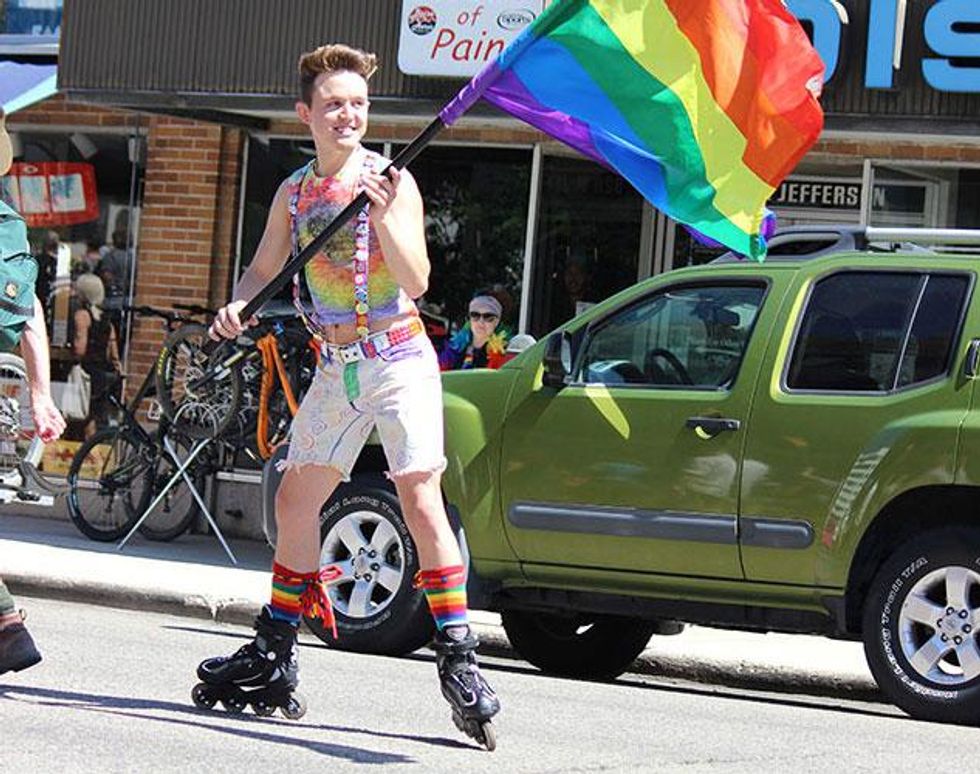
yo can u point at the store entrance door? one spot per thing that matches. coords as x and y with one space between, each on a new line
587 243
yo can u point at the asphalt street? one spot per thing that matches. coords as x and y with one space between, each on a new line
112 695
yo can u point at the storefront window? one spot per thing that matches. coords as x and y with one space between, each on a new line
476 202
587 243
913 195
30 17
74 192
78 192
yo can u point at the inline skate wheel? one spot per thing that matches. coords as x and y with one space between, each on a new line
295 707
481 732
263 709
487 736
234 704
201 696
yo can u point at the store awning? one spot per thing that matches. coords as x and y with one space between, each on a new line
24 84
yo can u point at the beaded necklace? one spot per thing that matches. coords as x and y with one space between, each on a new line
361 264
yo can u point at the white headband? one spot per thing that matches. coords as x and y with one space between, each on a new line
486 304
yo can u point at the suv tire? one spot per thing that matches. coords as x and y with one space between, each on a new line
377 608
602 650
928 590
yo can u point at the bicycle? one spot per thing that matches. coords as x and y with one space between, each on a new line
115 473
253 385
21 449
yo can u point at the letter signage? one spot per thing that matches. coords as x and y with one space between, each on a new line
950 30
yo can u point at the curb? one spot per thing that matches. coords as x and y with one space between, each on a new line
493 642
232 611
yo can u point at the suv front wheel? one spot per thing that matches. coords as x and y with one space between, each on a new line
921 620
378 610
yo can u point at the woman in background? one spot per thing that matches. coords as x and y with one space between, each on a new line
478 344
96 348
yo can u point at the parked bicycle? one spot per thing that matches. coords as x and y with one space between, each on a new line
116 473
21 449
247 392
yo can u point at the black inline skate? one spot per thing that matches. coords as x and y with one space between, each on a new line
473 701
263 673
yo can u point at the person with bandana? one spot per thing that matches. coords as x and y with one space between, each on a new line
378 370
479 343
17 648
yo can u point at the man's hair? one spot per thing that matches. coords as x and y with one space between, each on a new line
332 58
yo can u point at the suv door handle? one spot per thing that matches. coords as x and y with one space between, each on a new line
972 359
709 427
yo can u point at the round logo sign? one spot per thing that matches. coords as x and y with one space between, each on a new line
422 20
515 19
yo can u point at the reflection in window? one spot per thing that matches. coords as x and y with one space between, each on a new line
858 333
588 240
691 336
476 202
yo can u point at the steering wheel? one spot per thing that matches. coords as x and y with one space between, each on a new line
674 363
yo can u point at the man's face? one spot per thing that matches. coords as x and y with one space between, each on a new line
338 112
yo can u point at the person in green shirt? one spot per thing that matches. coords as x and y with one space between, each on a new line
17 648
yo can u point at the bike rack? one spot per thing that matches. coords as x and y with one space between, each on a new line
181 472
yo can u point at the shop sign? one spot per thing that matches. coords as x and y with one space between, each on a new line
831 194
33 17
52 193
950 28
798 192
457 38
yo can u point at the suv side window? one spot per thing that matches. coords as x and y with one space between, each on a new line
685 336
876 331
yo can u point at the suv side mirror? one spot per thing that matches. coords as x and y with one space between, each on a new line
557 360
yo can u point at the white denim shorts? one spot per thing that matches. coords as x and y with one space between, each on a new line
399 391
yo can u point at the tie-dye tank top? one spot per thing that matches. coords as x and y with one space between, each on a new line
313 203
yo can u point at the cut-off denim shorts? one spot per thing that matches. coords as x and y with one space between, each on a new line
399 391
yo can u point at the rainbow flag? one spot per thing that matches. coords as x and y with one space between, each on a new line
703 105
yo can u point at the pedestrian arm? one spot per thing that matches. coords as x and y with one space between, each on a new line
34 349
80 343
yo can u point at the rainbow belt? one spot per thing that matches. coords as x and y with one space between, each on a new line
368 348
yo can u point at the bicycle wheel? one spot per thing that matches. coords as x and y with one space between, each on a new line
198 393
173 515
16 422
109 483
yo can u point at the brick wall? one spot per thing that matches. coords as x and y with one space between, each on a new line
187 225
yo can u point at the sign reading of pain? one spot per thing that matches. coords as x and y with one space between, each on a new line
457 38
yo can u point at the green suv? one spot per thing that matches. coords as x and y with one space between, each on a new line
789 446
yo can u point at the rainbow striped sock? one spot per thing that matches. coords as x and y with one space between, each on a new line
287 588
445 591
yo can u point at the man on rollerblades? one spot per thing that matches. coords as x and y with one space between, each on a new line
378 369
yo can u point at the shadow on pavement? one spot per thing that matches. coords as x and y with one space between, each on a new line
125 707
795 696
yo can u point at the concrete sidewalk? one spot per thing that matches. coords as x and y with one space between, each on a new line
193 576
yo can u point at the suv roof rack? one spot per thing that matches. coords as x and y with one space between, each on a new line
805 242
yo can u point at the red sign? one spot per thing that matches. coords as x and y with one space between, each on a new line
52 193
